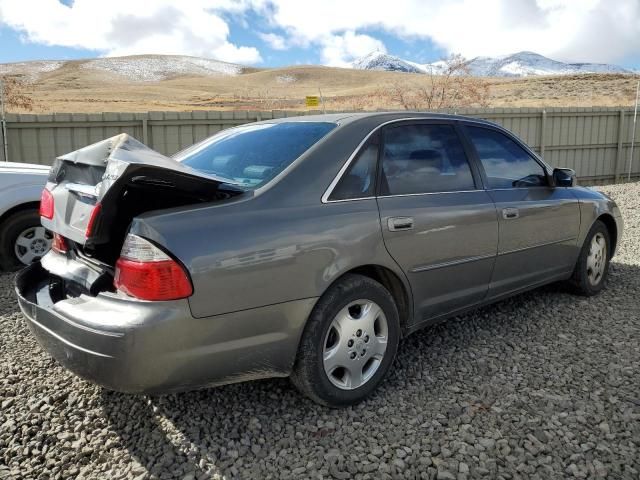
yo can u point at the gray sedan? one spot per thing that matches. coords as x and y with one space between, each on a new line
303 247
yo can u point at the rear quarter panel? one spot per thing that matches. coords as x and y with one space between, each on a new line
245 256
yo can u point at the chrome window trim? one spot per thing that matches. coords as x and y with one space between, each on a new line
403 195
350 199
338 177
327 193
506 189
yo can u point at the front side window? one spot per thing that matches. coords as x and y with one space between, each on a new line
251 155
424 158
506 163
359 180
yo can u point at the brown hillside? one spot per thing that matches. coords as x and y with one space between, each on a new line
76 86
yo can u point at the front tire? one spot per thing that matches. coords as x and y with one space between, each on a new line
348 344
592 267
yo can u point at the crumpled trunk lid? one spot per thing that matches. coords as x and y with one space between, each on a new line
125 178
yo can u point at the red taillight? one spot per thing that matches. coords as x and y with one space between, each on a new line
59 244
165 280
146 272
46 204
92 219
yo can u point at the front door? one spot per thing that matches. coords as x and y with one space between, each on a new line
437 222
538 223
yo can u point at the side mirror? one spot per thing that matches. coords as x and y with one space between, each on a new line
564 177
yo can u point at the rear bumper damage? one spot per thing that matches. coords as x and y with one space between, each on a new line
156 347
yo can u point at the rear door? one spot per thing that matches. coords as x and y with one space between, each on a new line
538 223
437 221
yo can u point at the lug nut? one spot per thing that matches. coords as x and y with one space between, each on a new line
364 350
352 355
359 333
350 343
366 338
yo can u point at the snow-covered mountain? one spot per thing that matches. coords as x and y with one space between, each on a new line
141 68
382 61
524 64
520 64
161 67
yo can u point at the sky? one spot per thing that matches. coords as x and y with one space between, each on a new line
272 33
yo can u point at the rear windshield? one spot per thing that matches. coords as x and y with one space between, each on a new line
252 155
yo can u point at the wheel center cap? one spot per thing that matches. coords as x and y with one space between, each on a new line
37 245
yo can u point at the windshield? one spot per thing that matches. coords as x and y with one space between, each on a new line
251 155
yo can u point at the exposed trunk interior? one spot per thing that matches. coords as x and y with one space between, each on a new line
144 192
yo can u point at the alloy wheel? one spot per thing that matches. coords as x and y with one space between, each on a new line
32 243
355 344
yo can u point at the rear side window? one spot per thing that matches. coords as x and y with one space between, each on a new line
359 180
252 155
424 159
506 163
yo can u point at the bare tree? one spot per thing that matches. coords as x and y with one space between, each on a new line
400 93
450 85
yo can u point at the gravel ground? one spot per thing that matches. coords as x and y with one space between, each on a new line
544 385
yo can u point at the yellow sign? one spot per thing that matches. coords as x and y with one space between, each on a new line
312 101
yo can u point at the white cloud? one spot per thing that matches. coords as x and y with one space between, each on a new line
127 27
277 42
578 30
341 50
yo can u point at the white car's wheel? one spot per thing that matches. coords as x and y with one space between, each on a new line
23 240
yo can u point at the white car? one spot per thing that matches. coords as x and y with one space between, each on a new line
22 237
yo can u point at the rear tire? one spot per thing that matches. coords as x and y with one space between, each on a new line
592 267
23 240
348 344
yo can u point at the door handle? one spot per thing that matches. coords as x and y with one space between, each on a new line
510 213
400 223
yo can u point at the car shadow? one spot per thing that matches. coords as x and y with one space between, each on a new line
203 433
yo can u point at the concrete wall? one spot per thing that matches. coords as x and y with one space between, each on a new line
593 141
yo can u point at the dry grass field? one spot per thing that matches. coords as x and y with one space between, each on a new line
74 88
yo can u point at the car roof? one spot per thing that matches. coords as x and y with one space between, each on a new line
346 118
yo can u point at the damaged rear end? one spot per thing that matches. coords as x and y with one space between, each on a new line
108 305
90 199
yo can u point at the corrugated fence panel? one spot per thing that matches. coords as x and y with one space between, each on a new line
635 164
45 140
171 134
200 130
585 139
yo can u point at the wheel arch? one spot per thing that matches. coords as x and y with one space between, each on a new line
399 290
19 208
612 228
